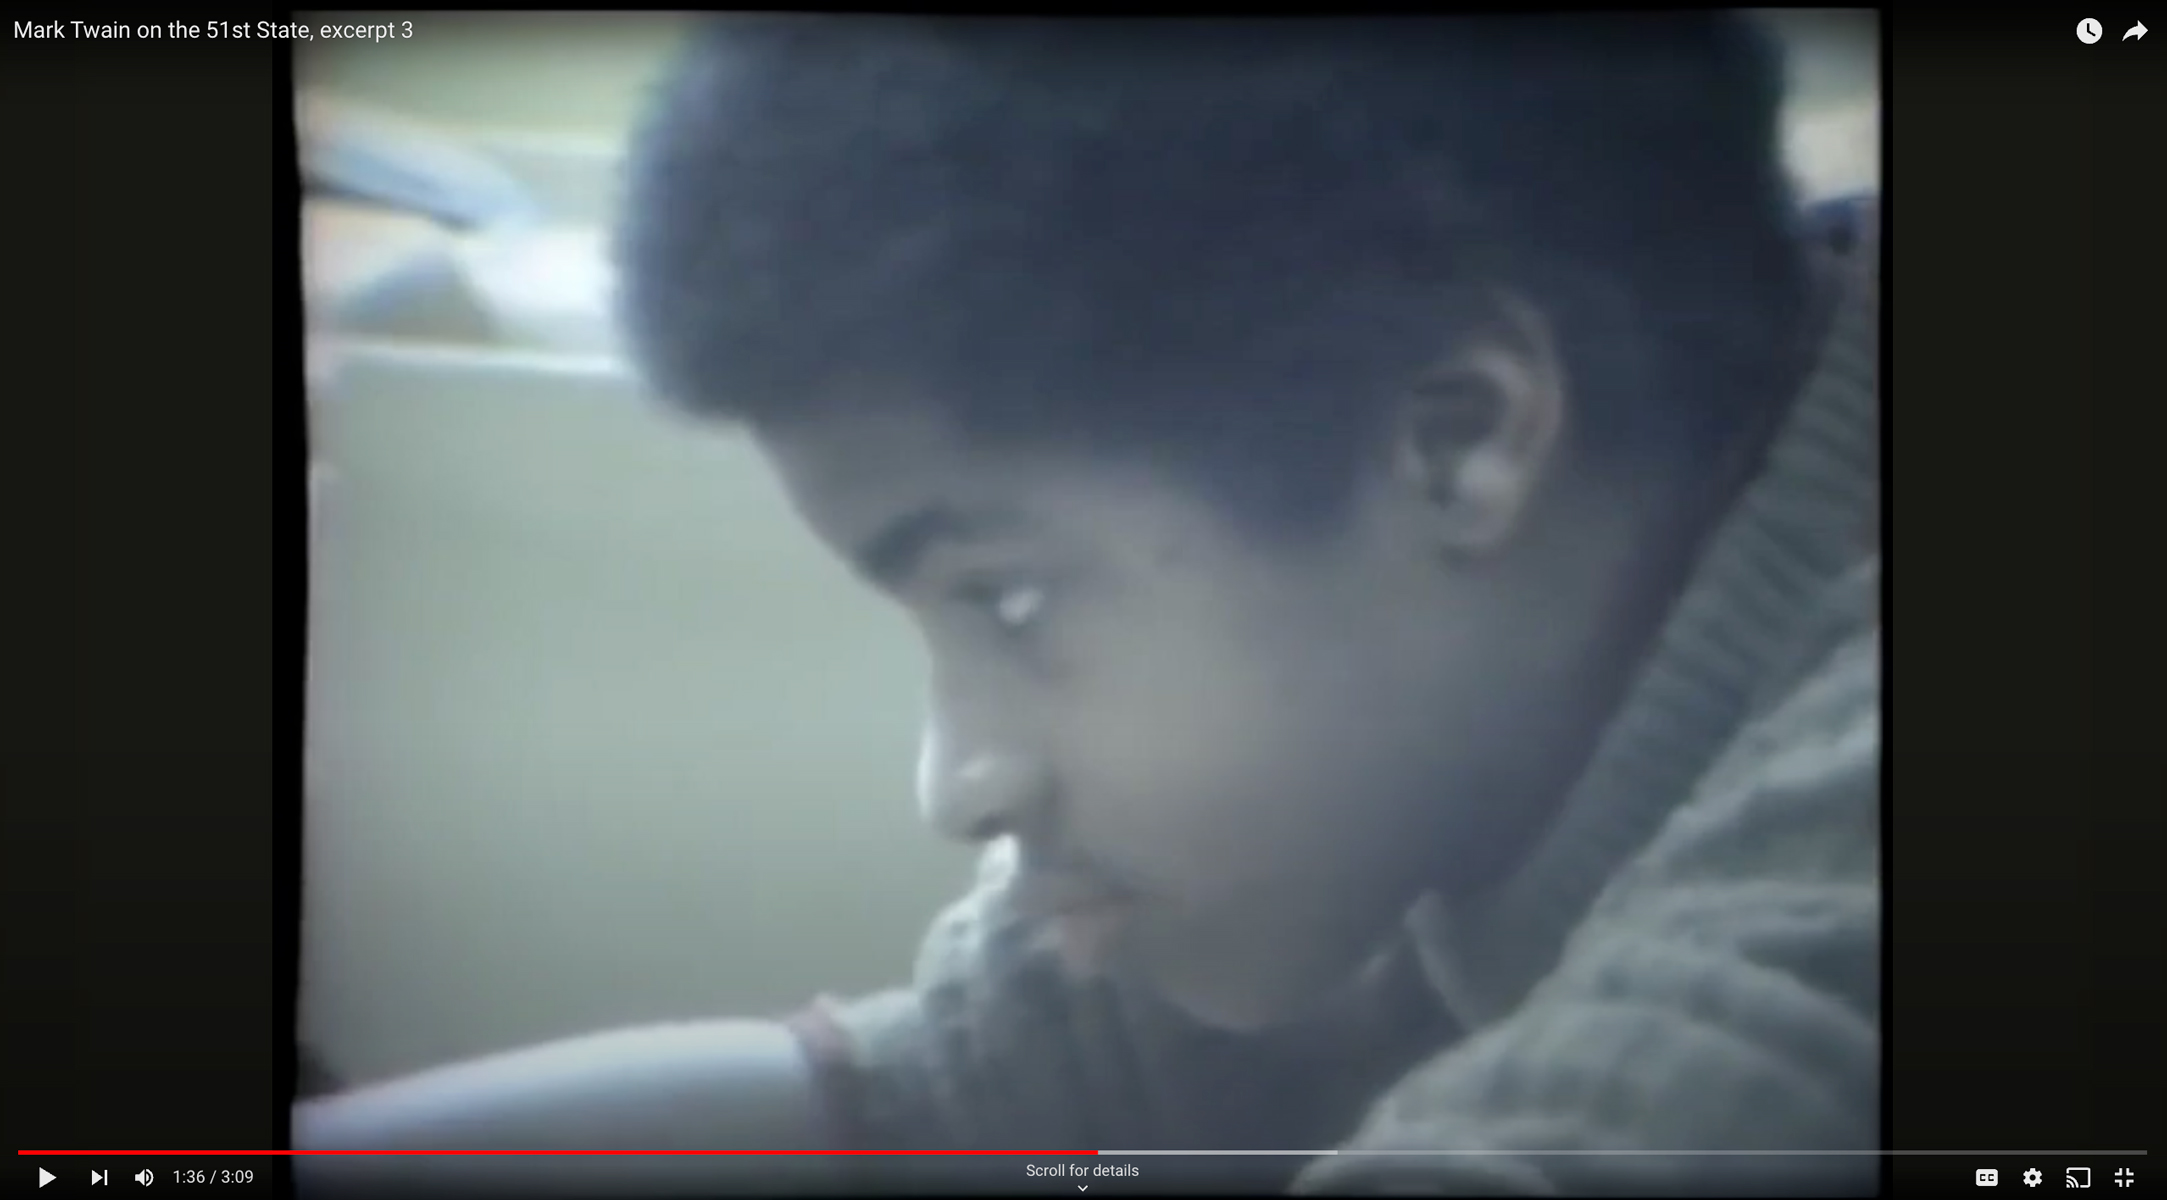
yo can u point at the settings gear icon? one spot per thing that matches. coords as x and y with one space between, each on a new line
2032 1177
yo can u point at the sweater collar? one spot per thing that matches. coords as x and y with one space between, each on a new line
1810 514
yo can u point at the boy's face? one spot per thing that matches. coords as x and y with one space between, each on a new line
1262 751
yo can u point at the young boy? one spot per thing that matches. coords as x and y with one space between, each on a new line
1391 506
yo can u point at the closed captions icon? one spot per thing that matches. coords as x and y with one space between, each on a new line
1986 1177
2088 31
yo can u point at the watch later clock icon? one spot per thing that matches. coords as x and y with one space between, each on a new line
2088 31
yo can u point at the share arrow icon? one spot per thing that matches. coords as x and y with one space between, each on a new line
2135 31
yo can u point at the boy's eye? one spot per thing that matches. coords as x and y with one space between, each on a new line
1011 606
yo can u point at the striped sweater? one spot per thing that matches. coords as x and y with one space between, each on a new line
1687 962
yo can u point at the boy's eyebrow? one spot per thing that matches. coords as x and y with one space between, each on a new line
893 556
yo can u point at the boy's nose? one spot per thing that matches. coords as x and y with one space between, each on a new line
976 789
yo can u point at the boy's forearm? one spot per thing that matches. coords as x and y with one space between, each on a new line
707 1086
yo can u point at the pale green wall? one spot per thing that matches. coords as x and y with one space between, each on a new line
596 734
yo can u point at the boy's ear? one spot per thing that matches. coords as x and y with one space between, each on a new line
1474 438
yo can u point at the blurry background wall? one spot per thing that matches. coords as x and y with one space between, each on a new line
596 735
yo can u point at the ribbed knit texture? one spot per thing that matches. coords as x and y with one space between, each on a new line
1687 962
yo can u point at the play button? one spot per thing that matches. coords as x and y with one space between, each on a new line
45 1177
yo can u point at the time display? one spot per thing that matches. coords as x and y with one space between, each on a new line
212 1176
